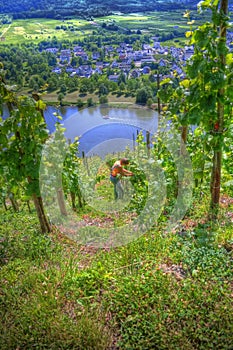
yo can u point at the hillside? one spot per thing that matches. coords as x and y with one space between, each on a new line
161 292
54 9
130 255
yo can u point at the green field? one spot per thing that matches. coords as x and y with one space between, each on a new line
152 22
38 29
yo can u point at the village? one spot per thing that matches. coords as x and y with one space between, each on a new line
133 63
123 58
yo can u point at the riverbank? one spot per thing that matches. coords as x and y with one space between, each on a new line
83 100
113 101
75 96
73 100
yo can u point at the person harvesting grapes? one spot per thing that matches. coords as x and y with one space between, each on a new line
117 171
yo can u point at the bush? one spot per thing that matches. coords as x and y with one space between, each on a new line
80 103
103 99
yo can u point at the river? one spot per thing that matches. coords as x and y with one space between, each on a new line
103 130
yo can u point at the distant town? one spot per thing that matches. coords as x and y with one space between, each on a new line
133 63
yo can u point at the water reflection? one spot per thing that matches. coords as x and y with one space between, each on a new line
96 125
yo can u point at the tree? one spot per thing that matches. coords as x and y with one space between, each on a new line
122 86
52 83
63 89
71 85
90 102
103 90
149 102
143 94
60 97
103 99
131 85
113 86
122 78
83 88
74 61
80 103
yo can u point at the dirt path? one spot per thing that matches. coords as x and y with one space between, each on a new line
5 30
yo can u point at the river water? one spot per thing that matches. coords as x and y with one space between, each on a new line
103 130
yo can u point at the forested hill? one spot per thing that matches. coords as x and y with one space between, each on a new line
56 8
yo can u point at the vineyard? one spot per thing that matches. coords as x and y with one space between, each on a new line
153 270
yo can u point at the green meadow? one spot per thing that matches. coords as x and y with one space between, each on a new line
39 29
151 22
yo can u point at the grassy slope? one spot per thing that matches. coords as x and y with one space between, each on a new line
163 291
